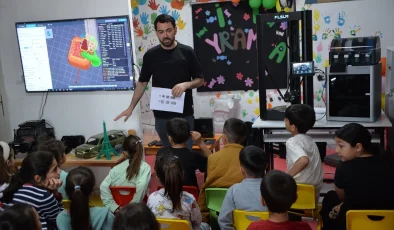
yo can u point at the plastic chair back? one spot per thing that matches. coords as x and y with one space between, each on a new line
370 219
306 199
122 195
173 224
242 219
66 204
94 201
190 189
214 200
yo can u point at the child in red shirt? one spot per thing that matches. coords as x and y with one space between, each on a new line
278 193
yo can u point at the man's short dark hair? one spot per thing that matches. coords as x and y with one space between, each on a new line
179 130
301 116
279 191
235 130
164 18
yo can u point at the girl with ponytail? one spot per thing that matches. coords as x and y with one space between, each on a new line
79 186
133 172
171 201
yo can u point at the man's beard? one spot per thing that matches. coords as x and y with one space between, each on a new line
171 42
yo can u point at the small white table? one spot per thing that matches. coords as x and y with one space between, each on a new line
269 132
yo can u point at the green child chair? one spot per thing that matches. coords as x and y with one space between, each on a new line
214 201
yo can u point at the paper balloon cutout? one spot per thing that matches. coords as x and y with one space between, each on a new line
269 4
254 4
279 7
235 1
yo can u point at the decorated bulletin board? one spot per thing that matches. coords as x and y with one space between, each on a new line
225 37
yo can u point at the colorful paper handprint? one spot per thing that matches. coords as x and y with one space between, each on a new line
144 18
341 18
138 31
163 9
181 24
316 15
354 30
153 17
147 29
327 18
136 23
325 34
318 58
152 4
175 15
337 33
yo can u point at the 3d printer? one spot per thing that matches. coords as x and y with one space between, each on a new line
354 80
301 53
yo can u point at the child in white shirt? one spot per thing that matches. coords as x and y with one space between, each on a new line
302 154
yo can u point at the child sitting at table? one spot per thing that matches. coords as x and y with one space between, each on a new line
132 172
302 154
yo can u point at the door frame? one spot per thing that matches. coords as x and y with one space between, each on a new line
6 132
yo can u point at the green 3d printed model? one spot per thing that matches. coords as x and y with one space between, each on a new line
106 148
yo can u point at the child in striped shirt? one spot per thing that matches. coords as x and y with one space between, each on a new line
36 184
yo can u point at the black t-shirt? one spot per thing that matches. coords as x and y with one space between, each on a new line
191 161
366 183
171 67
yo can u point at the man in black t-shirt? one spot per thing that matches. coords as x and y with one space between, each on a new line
174 66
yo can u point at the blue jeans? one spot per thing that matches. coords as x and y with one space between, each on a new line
161 129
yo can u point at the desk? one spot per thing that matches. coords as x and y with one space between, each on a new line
72 161
152 150
269 132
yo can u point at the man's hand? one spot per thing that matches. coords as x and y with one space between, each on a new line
53 184
196 137
127 113
179 89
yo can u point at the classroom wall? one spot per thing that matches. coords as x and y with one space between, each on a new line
70 113
364 17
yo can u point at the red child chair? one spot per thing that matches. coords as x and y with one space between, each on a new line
190 189
122 199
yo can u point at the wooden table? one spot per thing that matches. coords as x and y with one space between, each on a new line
72 161
152 150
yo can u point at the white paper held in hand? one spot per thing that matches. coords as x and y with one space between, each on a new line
162 99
